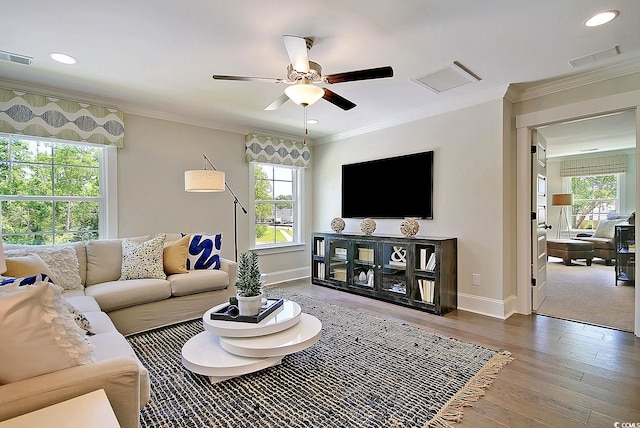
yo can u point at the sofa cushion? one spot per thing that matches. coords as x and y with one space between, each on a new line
104 259
204 251
174 255
142 259
38 334
197 281
113 295
21 265
62 260
83 303
100 322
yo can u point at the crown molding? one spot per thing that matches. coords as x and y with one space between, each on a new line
522 91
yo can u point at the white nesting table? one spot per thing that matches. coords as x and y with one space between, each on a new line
228 349
88 410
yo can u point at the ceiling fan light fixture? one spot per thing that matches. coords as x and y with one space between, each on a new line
304 94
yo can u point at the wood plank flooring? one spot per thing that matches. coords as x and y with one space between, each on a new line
565 374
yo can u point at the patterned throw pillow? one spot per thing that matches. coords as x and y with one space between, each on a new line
142 259
204 252
12 283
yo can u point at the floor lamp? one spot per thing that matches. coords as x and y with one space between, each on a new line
562 200
207 180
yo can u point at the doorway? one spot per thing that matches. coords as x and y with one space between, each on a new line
576 292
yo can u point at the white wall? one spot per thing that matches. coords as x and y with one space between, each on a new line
468 190
151 196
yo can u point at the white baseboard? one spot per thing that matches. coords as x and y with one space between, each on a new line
495 308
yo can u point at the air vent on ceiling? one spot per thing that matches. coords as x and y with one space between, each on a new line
598 56
448 78
18 59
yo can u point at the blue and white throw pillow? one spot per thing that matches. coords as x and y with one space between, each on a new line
204 251
27 280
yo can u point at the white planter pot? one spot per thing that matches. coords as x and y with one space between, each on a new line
249 306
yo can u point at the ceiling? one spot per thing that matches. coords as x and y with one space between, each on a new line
157 57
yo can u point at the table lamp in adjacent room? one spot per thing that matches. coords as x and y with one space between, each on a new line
562 200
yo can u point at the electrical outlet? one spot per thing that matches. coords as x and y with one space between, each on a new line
475 279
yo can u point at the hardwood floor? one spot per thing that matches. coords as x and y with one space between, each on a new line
565 374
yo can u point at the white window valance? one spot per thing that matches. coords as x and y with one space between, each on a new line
594 166
37 115
276 150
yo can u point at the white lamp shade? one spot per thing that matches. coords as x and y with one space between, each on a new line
562 199
3 265
204 180
304 94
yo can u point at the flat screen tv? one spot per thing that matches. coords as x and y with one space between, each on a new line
396 187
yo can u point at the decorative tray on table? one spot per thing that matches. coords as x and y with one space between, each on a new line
266 310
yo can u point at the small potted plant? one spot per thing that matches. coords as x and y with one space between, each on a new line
248 285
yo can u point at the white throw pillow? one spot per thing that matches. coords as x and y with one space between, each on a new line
62 260
606 228
143 259
38 335
204 251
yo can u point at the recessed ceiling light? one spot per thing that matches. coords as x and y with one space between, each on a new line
601 18
63 58
313 121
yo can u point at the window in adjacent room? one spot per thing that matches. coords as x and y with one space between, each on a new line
276 204
594 197
51 191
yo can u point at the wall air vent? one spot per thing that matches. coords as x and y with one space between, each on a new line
18 59
598 56
448 78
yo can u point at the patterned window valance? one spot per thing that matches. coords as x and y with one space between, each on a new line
275 150
46 116
593 166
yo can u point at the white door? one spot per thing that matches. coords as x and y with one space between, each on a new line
539 224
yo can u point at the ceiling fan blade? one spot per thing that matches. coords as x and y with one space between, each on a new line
297 50
247 78
277 103
337 100
350 76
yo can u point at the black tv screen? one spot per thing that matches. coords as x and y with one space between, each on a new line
396 187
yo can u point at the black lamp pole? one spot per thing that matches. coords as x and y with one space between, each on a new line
235 208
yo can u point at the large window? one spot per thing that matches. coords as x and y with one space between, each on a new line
594 197
51 191
276 204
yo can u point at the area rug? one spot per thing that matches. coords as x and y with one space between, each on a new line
365 371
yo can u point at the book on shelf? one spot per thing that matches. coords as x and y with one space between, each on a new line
423 258
320 247
320 270
340 274
426 287
340 253
431 264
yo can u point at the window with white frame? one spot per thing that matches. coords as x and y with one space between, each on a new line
594 197
276 204
51 191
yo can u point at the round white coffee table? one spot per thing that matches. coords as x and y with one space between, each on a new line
228 349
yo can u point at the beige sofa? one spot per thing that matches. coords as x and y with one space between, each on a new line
114 309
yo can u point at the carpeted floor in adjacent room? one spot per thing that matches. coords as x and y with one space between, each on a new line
588 294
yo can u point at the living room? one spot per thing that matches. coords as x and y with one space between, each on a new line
481 187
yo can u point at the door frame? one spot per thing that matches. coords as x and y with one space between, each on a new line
525 124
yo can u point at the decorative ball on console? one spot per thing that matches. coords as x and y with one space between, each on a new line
409 227
337 225
368 226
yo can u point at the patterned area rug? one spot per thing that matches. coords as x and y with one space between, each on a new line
364 372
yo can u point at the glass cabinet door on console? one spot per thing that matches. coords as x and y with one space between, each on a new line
364 267
394 278
339 259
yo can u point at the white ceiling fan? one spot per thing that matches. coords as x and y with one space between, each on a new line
305 77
